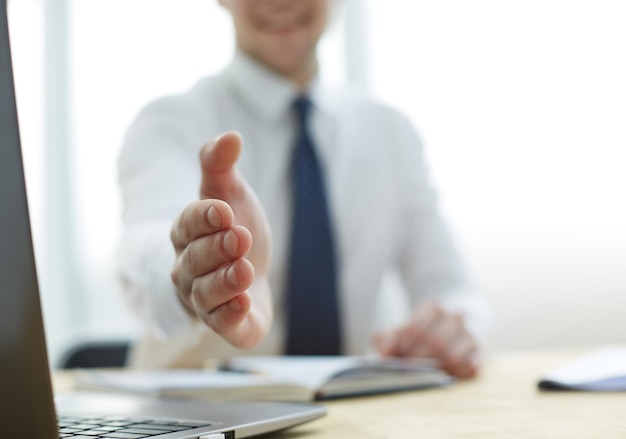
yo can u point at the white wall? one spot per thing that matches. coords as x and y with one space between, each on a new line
521 105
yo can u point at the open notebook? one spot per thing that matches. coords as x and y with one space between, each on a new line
277 378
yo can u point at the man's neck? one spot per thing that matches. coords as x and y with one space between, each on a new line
301 75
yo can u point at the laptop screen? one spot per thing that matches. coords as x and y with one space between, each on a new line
26 400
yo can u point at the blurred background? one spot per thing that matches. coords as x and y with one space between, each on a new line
521 104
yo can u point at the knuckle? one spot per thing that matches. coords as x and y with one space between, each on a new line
200 297
223 321
218 246
183 225
174 232
218 320
175 276
209 320
209 292
219 284
177 232
188 261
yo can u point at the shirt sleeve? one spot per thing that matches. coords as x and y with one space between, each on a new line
158 176
428 260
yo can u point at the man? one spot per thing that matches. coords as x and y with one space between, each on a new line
375 210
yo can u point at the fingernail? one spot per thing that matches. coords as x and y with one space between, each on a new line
231 243
214 217
234 304
231 275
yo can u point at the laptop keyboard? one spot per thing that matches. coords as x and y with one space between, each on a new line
115 427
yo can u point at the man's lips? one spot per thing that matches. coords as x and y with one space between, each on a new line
282 30
284 26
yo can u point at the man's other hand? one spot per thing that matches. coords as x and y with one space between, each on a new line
433 332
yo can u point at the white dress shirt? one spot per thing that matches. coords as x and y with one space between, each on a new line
384 208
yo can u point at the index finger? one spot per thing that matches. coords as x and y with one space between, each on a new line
200 218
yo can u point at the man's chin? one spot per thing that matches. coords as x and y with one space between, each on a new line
288 62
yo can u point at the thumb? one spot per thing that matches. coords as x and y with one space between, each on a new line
218 159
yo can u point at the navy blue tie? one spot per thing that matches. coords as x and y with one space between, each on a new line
312 304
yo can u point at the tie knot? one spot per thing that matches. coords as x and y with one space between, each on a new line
302 105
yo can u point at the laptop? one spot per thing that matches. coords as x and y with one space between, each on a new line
27 406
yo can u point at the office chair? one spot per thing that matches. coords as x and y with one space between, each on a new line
92 354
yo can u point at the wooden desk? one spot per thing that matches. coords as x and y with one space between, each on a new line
502 403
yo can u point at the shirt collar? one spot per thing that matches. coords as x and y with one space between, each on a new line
268 94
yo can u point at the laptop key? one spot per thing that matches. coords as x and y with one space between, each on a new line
142 431
118 435
160 427
107 428
82 426
70 430
118 423
161 422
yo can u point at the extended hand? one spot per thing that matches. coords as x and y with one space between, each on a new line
433 332
220 271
